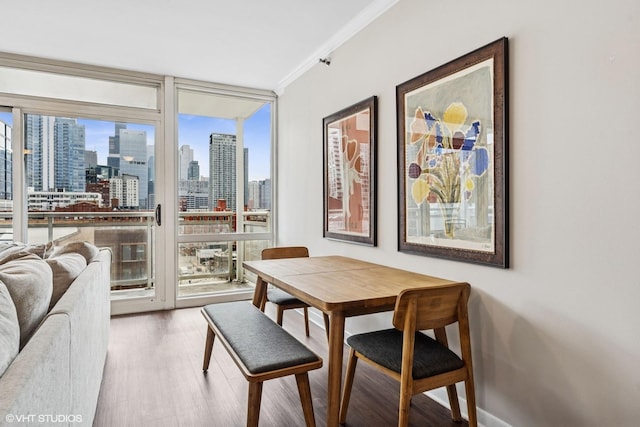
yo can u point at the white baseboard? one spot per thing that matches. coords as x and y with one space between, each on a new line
485 419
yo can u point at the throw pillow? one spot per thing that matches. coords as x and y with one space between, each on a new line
9 250
9 329
65 267
29 281
42 250
86 249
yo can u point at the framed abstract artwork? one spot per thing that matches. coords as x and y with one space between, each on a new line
349 162
452 159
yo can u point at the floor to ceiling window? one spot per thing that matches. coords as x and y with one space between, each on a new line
175 176
86 169
224 147
6 174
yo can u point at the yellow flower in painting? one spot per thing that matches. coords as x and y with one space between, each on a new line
455 116
469 185
420 190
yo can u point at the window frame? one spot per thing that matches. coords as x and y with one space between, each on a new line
164 118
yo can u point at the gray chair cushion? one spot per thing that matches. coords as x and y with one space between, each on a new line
385 348
258 341
280 297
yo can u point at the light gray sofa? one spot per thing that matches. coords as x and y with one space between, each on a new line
55 377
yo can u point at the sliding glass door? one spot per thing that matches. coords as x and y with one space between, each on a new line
174 176
79 164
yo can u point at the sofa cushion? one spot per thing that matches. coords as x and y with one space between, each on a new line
8 250
86 249
29 281
9 329
65 268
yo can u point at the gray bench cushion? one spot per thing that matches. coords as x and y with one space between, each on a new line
385 348
258 341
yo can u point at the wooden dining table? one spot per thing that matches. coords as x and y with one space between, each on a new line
341 287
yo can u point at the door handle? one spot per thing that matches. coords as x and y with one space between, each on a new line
159 215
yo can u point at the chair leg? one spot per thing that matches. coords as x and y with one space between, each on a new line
326 324
452 393
454 403
348 385
306 321
406 385
253 406
304 389
471 402
208 348
279 312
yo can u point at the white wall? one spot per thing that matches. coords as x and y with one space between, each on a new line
555 337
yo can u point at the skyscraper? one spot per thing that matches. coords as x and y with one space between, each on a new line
131 158
90 159
68 155
36 143
222 169
6 163
113 159
55 149
185 155
246 176
194 171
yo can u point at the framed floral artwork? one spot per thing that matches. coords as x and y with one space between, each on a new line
350 173
452 159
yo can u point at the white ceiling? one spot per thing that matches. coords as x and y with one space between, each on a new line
261 44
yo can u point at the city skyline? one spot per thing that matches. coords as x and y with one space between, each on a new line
194 131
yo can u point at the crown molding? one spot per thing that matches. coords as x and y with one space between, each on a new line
364 18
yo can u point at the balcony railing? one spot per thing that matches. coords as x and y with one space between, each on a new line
131 237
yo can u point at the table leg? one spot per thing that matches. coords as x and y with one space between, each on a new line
336 346
260 293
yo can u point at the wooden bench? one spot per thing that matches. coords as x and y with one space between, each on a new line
262 350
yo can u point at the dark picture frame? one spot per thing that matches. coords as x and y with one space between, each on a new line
452 125
349 167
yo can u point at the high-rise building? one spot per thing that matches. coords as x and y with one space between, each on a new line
151 168
133 158
68 155
194 195
38 144
254 195
185 156
113 159
90 159
222 170
246 176
194 171
6 163
55 154
264 191
125 190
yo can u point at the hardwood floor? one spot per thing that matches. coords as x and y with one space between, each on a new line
153 377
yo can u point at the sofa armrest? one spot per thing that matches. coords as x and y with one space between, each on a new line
87 303
38 382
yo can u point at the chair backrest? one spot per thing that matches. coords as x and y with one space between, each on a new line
285 252
433 307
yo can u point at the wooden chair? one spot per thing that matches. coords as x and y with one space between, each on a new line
417 361
283 300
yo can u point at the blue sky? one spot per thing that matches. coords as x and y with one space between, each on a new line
194 131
